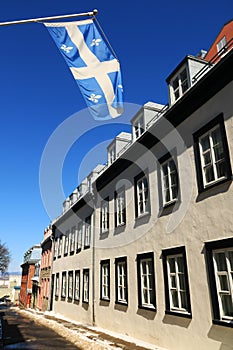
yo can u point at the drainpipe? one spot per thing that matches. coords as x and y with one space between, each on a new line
93 260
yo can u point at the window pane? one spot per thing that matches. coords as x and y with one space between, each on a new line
173 281
221 261
209 174
230 257
184 303
180 263
171 262
221 169
205 143
227 305
223 281
174 298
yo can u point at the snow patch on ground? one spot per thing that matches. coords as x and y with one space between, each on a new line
87 337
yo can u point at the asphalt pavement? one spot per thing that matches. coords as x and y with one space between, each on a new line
19 332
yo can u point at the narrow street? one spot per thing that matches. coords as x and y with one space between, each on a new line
19 332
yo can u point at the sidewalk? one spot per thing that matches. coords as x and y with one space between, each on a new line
87 337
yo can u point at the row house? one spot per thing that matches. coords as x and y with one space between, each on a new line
45 270
144 246
29 280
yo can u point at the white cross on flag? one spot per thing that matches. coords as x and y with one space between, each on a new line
95 69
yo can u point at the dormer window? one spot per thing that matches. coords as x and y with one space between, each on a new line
180 84
221 44
111 154
138 127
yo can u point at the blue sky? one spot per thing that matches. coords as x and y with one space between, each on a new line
38 92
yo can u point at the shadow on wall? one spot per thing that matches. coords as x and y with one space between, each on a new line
177 321
224 335
148 314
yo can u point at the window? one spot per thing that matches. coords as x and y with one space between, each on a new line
146 280
70 285
212 155
104 215
86 285
79 237
180 84
138 127
120 210
57 285
121 280
105 280
60 246
87 237
63 285
66 247
141 195
169 181
111 154
176 282
221 44
77 285
55 248
219 256
72 239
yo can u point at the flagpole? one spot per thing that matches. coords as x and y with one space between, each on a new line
41 19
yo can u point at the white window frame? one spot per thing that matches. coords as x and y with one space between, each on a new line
177 288
138 126
228 274
66 243
57 284
120 208
70 284
60 246
147 282
105 280
104 216
221 44
77 285
87 238
121 281
72 239
167 185
86 286
213 162
79 236
64 285
182 84
142 196
55 251
112 154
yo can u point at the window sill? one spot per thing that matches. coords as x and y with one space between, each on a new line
178 313
147 307
144 215
223 323
169 204
105 299
214 184
119 302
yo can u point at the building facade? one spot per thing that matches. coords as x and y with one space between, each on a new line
45 269
144 245
28 293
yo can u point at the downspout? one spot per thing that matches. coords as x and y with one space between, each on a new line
93 261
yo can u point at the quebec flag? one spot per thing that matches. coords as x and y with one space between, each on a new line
95 69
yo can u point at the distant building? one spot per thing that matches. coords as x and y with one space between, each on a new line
45 269
31 258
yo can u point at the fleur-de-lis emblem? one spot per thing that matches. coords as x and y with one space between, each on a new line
94 98
96 42
65 48
120 87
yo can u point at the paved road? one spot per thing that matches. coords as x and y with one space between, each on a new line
23 333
